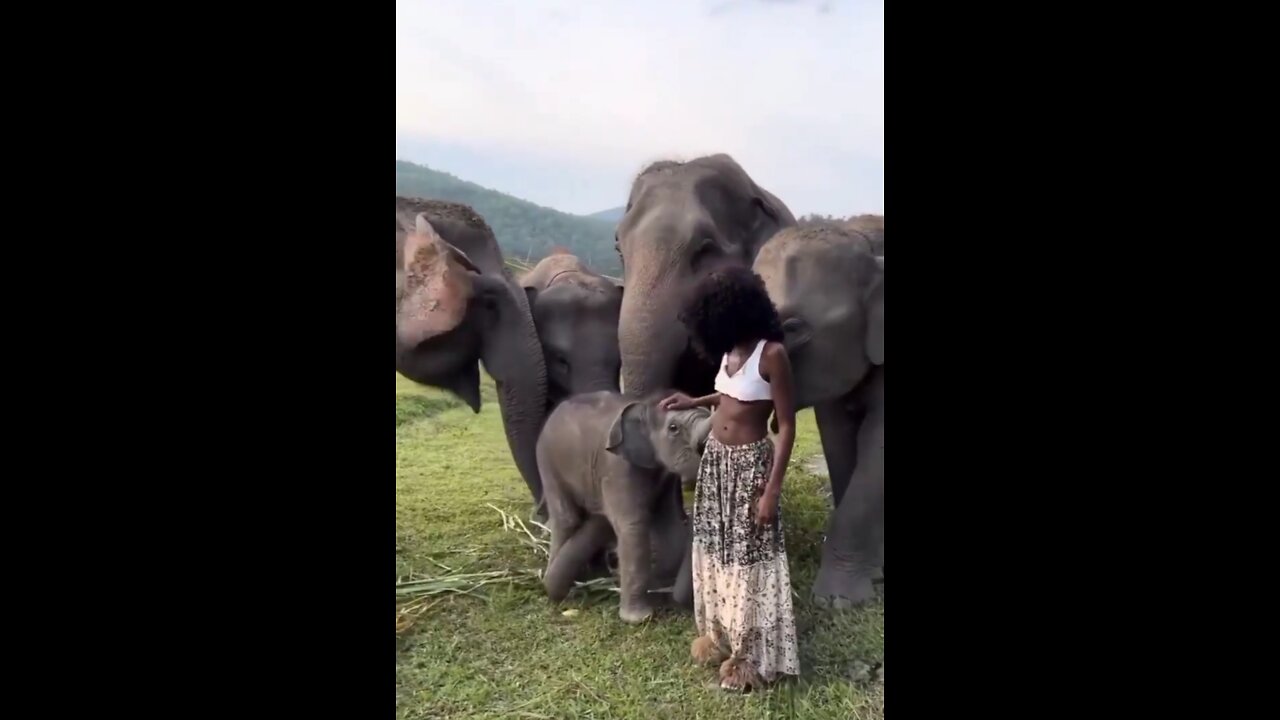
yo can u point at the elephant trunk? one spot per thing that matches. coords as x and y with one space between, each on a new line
651 341
512 354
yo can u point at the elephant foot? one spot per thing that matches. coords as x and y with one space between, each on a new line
842 590
706 651
635 612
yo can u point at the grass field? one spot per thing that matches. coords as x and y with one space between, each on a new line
512 654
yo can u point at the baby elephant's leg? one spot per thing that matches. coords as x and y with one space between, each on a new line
573 554
563 523
634 556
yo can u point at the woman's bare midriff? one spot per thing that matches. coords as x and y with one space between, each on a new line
741 423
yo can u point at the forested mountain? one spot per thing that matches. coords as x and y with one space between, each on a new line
526 232
612 215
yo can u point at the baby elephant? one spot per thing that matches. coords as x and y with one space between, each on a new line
603 459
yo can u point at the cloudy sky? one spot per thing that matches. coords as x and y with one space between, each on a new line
561 102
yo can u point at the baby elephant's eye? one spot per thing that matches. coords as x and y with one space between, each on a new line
673 428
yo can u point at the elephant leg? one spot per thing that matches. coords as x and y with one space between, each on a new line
667 534
628 503
562 516
838 428
682 591
634 559
563 526
573 555
672 544
855 534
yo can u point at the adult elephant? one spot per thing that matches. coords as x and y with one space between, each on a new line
828 286
456 304
575 311
683 220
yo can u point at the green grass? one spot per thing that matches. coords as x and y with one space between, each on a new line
511 653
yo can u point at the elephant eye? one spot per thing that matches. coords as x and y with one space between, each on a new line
706 252
673 428
796 332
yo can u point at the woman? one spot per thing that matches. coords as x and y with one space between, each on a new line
741 582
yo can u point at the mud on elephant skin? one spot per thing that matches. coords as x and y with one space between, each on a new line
458 306
575 311
682 221
828 286
605 462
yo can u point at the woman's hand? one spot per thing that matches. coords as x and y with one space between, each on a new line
679 401
766 509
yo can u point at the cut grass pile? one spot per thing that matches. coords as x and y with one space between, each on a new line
476 636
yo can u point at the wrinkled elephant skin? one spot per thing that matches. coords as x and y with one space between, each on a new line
575 310
605 461
828 286
458 306
682 221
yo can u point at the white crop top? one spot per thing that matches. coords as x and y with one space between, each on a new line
746 385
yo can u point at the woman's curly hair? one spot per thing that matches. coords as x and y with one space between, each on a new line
727 307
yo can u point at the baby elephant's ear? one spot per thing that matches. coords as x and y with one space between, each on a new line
629 436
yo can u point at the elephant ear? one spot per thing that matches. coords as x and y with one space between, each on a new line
629 436
439 281
763 205
771 215
875 318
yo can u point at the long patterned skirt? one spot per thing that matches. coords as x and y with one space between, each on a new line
741 582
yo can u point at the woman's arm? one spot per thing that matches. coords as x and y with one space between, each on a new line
777 371
680 401
708 401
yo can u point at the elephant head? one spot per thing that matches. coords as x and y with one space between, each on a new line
682 221
456 305
829 290
873 227
576 313
652 438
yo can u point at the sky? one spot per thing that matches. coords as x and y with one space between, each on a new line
562 102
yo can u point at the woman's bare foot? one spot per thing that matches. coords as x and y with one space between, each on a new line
739 676
729 674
